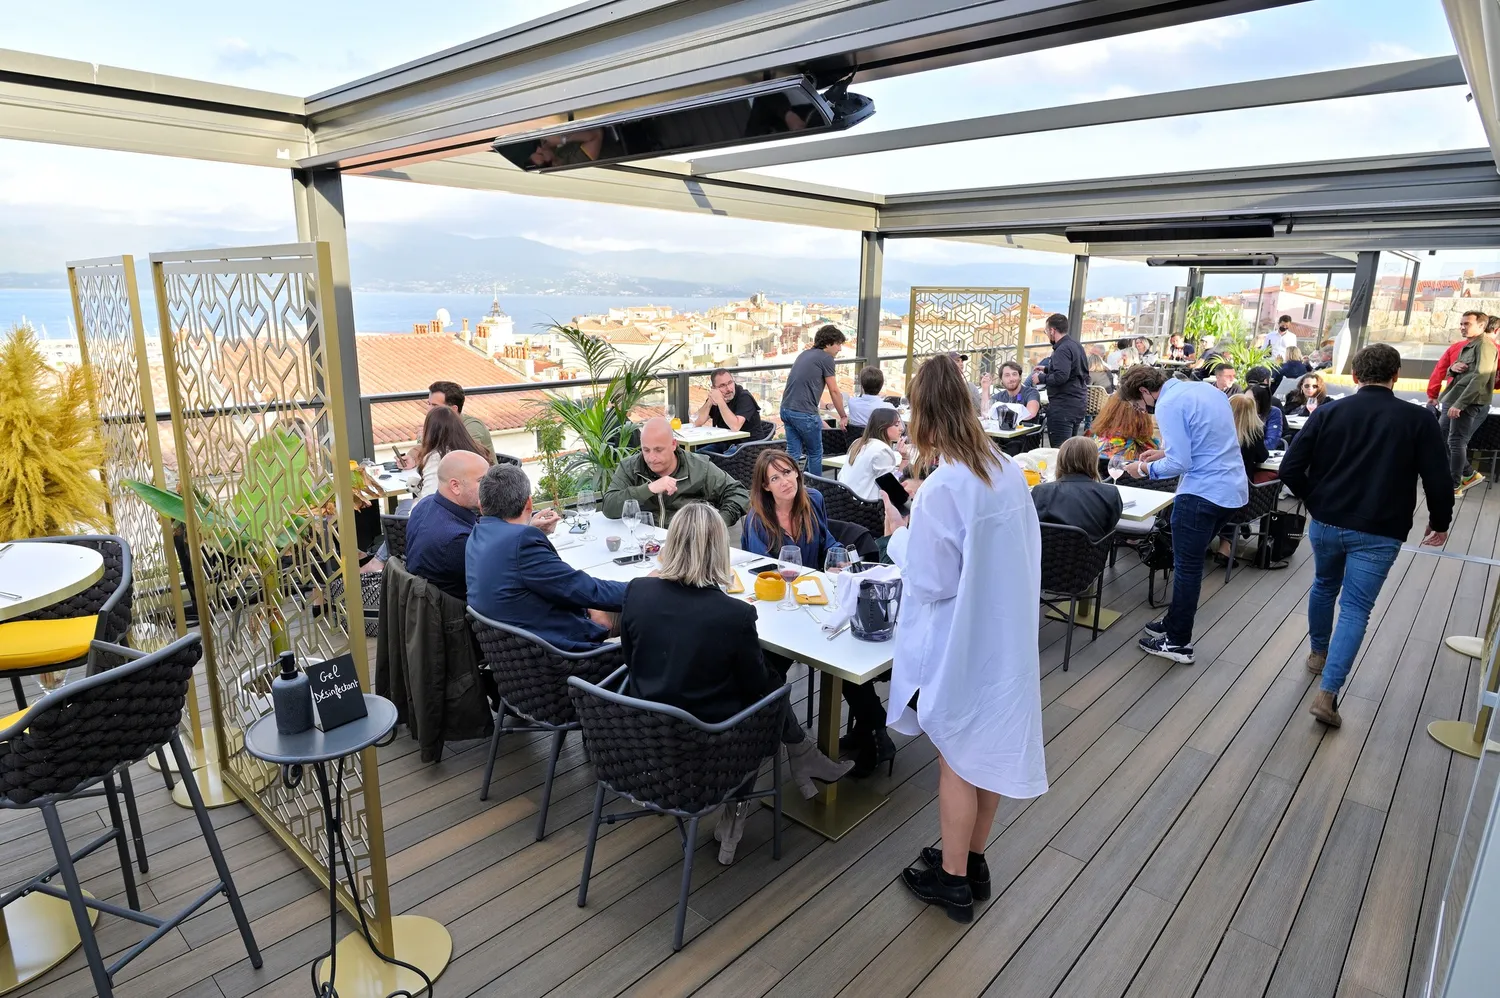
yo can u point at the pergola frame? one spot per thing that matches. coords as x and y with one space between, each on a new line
432 121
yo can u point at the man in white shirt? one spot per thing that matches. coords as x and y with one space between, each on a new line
1284 337
871 380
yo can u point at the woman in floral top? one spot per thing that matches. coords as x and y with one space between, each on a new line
1121 428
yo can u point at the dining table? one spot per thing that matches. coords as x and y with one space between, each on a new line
797 634
36 575
692 437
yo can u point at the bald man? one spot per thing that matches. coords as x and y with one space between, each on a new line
664 477
440 524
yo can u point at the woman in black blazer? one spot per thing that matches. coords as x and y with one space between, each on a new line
1078 498
690 645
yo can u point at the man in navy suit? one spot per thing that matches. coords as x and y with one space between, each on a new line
516 577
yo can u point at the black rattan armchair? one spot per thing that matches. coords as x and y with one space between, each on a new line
840 503
394 528
835 441
741 463
1263 499
669 762
84 735
532 679
1073 567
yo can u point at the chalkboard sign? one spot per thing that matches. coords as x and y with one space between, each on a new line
336 692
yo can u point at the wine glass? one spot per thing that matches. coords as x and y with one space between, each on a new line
646 524
835 561
790 568
1041 468
629 514
50 682
585 509
1117 467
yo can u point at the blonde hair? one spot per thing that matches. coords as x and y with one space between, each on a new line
1247 423
696 551
1293 353
944 423
1078 456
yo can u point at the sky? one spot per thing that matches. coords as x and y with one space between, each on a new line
58 203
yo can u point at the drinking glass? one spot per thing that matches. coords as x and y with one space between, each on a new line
1041 468
835 561
790 568
585 507
646 524
629 514
1116 467
52 681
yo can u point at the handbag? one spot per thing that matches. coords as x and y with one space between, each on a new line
1155 548
1283 533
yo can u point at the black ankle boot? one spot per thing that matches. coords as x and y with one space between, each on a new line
873 749
952 894
979 870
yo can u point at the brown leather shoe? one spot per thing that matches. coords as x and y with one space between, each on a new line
1315 662
1325 710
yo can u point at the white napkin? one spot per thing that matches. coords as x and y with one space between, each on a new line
846 586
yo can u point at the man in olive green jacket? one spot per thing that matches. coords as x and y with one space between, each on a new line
1466 403
664 477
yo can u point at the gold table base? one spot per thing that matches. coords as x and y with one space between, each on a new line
1085 615
1460 737
37 932
209 772
840 806
419 941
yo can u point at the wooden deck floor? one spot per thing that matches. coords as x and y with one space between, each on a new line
1203 835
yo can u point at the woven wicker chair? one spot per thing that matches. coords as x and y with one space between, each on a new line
109 599
669 762
1484 445
835 441
531 676
1263 500
394 528
741 463
83 735
840 503
1073 567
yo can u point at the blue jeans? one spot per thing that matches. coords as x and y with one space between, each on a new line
804 435
1195 523
1357 563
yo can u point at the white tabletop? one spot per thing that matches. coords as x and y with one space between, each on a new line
38 575
392 483
993 429
1296 422
1143 504
836 461
698 436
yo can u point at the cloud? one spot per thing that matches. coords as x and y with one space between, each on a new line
238 55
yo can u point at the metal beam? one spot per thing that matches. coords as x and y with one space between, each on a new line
1360 299
319 200
1360 81
871 277
1475 25
1344 200
64 102
794 204
601 57
1077 295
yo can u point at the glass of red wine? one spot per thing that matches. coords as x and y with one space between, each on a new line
790 569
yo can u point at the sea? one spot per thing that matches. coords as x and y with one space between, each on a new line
50 311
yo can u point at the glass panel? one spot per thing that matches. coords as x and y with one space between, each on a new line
1125 299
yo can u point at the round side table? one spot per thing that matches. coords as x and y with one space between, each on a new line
359 971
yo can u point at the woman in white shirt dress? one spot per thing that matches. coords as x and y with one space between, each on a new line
966 667
876 459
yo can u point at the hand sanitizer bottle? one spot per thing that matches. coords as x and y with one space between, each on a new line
291 698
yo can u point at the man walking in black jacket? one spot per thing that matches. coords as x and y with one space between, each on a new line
1067 381
1356 464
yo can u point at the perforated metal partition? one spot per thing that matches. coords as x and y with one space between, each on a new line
112 347
988 324
253 378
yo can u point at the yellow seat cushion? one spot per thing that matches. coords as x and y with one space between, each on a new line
10 719
27 644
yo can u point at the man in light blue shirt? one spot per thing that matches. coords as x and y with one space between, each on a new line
1199 447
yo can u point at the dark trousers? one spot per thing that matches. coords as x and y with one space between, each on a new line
865 708
1195 523
1457 432
1063 425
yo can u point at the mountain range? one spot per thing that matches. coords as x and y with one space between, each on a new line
411 258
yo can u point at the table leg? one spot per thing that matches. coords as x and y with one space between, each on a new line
1085 615
37 932
838 807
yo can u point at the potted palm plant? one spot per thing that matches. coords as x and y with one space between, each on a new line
1211 317
602 417
50 451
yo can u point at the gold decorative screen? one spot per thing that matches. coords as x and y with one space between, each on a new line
253 375
988 324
